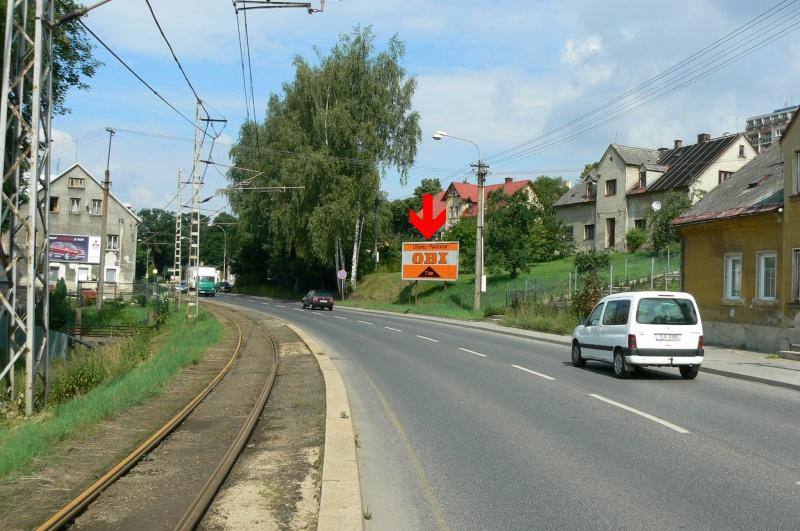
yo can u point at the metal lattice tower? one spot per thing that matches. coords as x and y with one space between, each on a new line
194 230
25 115
176 267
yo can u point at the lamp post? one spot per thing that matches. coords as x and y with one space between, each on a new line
482 169
224 250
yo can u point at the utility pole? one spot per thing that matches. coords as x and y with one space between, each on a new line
194 229
101 276
176 264
482 171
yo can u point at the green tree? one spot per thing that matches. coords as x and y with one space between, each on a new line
549 189
157 233
589 168
659 222
635 239
463 232
426 186
509 223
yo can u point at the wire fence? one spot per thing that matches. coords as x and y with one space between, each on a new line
86 292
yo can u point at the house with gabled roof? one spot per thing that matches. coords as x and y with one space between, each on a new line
616 197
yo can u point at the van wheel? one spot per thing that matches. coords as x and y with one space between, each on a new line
621 369
689 372
577 359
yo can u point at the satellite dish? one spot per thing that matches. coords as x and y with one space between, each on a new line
656 205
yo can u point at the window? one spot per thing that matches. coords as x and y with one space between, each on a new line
741 150
454 212
111 275
112 242
666 311
54 204
53 277
594 318
75 205
796 275
642 179
617 313
724 176
611 187
640 224
588 232
96 206
76 182
611 229
733 276
83 274
767 267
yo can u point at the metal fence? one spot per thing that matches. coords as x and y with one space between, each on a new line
86 292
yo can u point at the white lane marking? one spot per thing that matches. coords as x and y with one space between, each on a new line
640 413
264 303
472 352
280 306
339 317
428 339
298 310
251 300
316 314
364 322
392 329
534 372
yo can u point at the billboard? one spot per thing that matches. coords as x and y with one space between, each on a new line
430 261
68 248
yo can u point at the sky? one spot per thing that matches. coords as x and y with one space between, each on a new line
496 73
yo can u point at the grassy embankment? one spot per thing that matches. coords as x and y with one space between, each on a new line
126 373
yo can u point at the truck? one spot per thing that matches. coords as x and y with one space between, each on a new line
202 279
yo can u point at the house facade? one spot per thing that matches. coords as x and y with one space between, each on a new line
75 217
741 252
628 180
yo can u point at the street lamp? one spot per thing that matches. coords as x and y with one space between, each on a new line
480 278
224 250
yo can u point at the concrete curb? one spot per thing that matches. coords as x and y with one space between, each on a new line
747 377
340 500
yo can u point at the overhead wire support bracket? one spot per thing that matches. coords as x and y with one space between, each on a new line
247 5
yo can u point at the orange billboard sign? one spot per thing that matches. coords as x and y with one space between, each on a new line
430 261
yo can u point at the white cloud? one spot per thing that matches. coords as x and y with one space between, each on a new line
577 51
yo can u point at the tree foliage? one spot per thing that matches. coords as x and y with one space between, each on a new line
509 225
662 233
549 189
463 232
589 168
635 239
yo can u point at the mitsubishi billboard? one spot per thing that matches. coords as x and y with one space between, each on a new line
68 248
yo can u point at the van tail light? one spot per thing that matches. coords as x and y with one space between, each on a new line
632 341
700 343
315 299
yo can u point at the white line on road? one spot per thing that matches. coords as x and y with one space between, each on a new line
534 372
251 300
264 303
364 322
339 317
280 306
640 413
298 310
428 339
472 352
392 329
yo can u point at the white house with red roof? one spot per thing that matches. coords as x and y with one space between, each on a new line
461 199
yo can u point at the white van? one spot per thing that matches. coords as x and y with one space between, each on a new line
641 329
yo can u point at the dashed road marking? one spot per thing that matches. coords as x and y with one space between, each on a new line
641 413
392 329
533 372
280 306
428 339
299 310
472 352
339 317
365 322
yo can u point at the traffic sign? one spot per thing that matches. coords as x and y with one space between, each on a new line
342 274
430 261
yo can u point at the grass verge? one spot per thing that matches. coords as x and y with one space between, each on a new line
178 346
542 319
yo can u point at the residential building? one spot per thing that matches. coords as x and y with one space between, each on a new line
75 217
617 196
741 251
765 130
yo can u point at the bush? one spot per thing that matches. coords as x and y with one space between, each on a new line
591 261
635 239
542 317
59 306
141 300
161 311
587 297
79 374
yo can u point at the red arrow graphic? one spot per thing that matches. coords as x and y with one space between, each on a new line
427 224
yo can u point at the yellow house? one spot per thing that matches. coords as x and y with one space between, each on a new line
741 256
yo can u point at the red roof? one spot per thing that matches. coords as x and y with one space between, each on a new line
469 192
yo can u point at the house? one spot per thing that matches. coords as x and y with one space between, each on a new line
741 252
460 199
75 216
628 180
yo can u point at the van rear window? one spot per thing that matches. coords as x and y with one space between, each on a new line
666 312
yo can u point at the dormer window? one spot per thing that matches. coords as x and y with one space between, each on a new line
741 151
642 180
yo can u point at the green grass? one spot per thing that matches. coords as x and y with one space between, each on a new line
180 345
541 318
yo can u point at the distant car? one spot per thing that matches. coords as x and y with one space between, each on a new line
224 287
642 329
318 298
67 251
181 287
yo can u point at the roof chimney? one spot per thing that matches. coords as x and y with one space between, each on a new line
509 180
702 138
678 143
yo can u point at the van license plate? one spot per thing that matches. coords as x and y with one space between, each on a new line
668 337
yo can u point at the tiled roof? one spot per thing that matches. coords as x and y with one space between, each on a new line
687 162
757 187
633 156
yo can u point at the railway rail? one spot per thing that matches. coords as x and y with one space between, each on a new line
193 514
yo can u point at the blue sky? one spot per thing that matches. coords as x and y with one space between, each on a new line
497 73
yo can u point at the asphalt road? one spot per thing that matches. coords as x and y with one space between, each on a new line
471 429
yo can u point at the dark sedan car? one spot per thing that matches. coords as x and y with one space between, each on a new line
318 298
224 287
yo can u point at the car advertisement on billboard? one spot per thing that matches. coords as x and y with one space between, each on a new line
68 248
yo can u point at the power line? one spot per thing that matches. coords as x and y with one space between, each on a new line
250 68
241 60
180 67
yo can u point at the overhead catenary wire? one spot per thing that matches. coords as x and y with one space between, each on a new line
171 50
